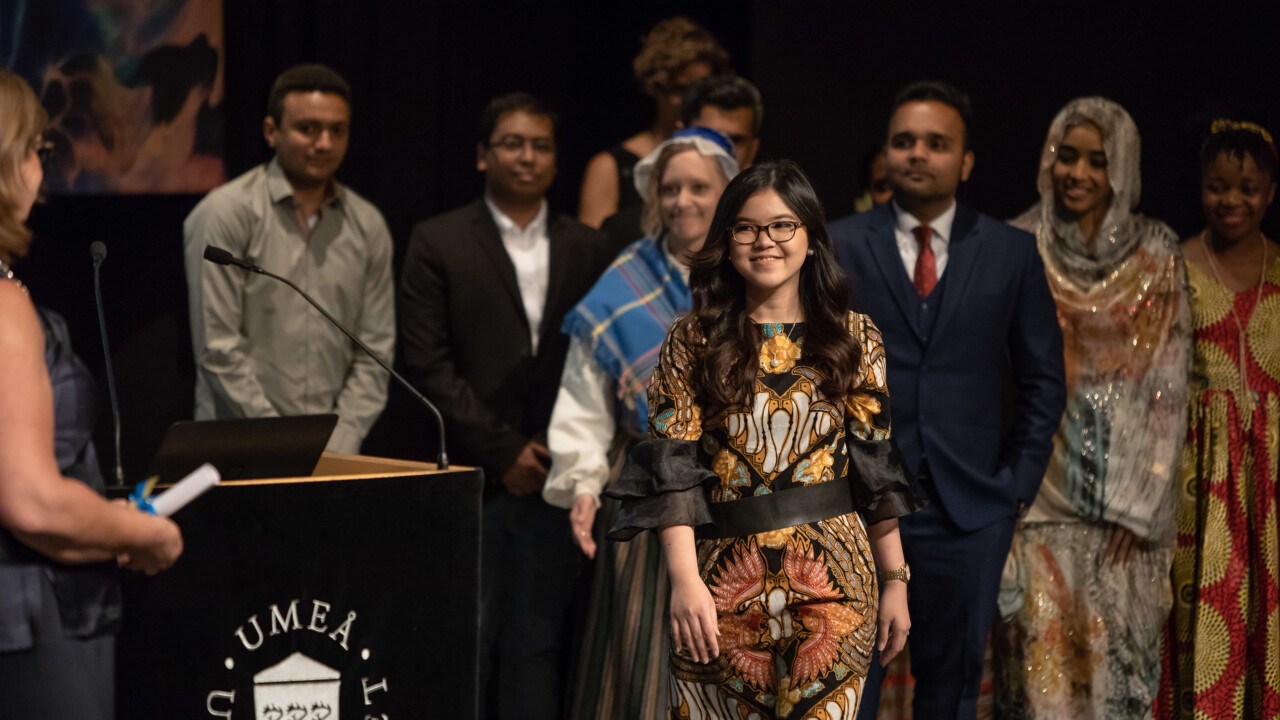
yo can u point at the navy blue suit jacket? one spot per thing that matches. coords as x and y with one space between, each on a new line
996 319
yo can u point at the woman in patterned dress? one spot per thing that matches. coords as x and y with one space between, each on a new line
770 443
1222 655
1086 589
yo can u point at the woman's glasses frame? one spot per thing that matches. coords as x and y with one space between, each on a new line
779 231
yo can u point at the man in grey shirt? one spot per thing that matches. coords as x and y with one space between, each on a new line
260 349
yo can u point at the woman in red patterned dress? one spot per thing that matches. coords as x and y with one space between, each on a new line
1222 655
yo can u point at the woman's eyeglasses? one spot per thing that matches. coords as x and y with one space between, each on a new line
779 232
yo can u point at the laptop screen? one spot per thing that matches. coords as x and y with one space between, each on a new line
243 449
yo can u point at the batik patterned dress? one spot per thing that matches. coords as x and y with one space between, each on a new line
797 606
1223 652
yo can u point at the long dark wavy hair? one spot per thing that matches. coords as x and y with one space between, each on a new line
725 369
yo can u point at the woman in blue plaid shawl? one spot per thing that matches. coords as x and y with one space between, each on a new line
615 334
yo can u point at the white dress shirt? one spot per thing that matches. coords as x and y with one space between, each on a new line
583 423
530 251
909 247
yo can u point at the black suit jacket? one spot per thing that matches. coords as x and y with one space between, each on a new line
996 318
465 335
623 228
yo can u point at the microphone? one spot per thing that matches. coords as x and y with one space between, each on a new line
98 250
218 256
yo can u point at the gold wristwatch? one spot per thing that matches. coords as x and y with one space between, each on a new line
903 573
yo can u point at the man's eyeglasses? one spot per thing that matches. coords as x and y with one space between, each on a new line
779 232
516 143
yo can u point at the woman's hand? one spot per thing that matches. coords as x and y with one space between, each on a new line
695 632
895 620
163 546
581 517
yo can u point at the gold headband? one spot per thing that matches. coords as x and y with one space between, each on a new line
1224 125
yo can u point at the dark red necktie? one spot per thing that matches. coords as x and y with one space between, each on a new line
926 275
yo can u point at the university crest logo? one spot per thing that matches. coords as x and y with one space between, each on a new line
296 688
326 672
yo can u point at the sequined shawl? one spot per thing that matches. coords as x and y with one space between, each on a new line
1123 310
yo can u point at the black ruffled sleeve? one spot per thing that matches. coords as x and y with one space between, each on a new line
663 483
882 485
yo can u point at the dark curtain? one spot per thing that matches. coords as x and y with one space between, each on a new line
422 71
1172 67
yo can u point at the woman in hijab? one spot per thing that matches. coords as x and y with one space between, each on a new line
1087 583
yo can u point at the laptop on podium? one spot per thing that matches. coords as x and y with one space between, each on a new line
268 447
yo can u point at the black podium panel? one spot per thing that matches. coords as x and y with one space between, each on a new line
312 600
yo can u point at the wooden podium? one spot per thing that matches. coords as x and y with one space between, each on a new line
353 593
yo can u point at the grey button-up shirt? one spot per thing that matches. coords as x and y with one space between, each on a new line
260 349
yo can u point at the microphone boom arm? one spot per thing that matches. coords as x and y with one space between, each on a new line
222 257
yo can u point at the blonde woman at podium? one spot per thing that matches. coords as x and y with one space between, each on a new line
60 540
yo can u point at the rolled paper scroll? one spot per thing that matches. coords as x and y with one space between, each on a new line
185 490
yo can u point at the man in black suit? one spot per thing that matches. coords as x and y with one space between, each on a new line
963 303
482 296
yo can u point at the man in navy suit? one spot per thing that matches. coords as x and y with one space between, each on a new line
963 303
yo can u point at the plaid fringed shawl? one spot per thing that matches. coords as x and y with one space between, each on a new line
624 319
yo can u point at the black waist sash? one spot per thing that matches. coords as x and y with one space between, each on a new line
777 510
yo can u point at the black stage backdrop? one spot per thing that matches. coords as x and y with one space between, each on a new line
421 72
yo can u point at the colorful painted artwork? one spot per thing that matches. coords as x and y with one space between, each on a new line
133 89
